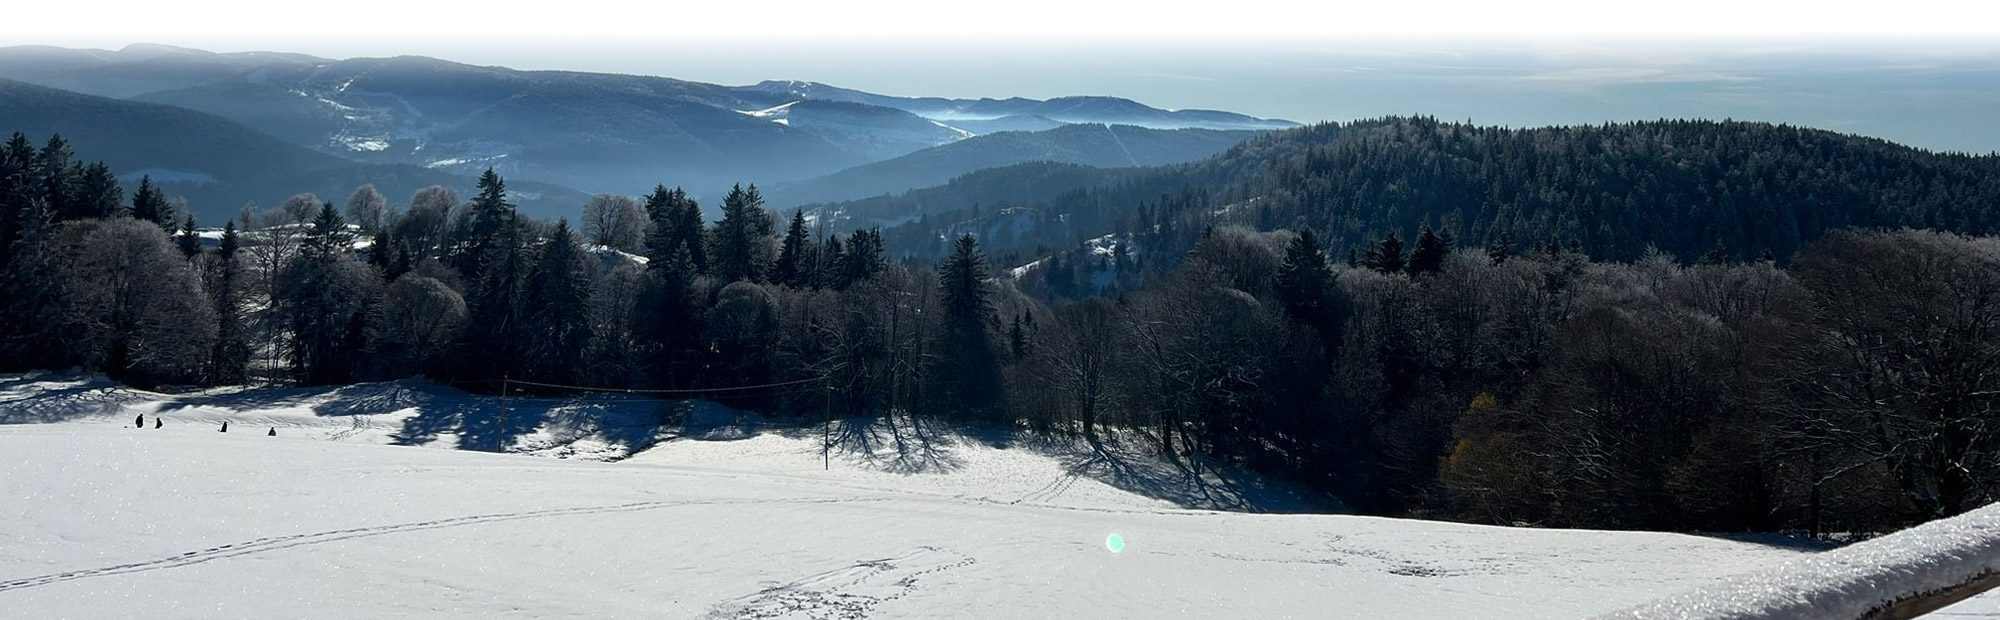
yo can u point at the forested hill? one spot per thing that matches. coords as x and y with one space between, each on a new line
214 163
1683 186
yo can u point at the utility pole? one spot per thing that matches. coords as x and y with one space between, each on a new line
826 432
503 415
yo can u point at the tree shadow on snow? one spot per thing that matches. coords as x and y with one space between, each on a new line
38 398
1133 466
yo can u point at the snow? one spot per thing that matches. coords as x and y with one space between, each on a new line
962 134
725 517
1851 581
364 144
776 114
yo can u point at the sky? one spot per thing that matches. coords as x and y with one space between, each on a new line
1923 72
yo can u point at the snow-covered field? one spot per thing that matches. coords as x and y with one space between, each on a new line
103 520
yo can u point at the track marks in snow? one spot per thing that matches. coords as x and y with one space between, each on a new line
276 543
847 593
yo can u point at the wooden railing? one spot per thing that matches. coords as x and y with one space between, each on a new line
1895 577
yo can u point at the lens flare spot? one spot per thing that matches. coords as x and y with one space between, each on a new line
1115 543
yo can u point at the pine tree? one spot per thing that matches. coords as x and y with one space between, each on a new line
1305 285
1501 249
59 174
230 361
491 217
741 236
495 306
187 241
17 186
388 257
1304 278
1716 255
325 296
863 258
328 236
671 322
557 309
1386 256
98 194
791 269
676 229
30 290
969 380
150 204
833 261
1429 255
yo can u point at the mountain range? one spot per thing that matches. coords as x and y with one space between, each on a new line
605 133
216 164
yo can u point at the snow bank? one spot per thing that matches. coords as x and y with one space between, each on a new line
1851 582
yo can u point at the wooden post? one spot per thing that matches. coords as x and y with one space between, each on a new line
503 415
826 432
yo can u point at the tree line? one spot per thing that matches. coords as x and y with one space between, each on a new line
1850 388
1682 186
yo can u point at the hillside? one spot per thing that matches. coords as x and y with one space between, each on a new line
604 133
1681 186
721 525
1098 110
216 164
1104 146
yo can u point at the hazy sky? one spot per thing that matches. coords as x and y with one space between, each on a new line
1924 72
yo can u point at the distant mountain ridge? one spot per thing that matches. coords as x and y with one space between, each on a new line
596 132
1103 146
217 164
1101 110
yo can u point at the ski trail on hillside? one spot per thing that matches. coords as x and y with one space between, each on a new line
1121 146
847 593
275 543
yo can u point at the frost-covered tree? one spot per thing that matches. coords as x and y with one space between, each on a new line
132 307
615 221
366 208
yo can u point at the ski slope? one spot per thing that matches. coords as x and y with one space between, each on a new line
322 521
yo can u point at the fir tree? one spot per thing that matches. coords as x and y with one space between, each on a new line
1430 252
17 187
1305 285
1500 250
328 236
230 361
97 193
741 236
491 217
150 204
387 256
187 241
833 260
969 379
30 289
863 258
791 268
59 174
1386 256
557 309
495 306
1716 255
